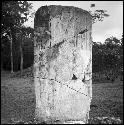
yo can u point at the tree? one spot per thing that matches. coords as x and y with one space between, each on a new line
14 14
122 41
98 15
5 55
115 52
108 57
24 32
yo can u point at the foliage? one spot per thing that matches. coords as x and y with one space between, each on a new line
27 52
98 15
108 57
14 14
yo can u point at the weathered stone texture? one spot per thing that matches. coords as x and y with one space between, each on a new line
62 63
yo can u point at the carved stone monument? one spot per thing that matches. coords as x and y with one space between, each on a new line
62 64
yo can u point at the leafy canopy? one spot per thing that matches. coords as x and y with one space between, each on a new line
14 14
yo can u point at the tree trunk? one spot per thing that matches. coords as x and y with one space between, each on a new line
21 54
1 61
62 64
11 52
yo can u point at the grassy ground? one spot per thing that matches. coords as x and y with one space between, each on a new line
18 98
107 100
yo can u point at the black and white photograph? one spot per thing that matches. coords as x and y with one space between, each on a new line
62 62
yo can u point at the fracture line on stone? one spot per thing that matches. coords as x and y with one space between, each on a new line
78 91
69 87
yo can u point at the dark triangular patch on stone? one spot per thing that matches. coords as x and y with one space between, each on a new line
74 77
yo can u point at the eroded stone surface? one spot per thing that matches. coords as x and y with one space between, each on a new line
62 63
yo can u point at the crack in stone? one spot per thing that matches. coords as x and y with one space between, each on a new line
70 87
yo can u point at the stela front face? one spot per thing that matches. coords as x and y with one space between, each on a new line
62 63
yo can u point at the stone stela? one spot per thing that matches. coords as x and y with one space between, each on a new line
62 64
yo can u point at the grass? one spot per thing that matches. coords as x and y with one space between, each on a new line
18 98
107 100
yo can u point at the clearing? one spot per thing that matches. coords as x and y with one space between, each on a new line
18 98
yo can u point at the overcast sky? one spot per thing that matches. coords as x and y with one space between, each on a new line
111 26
